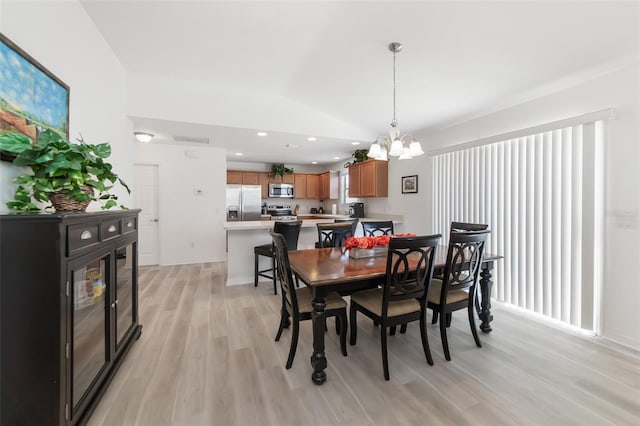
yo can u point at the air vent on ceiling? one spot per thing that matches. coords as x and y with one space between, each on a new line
191 139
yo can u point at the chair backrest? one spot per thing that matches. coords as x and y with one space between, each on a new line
464 259
404 282
352 220
289 299
290 230
333 234
373 229
465 227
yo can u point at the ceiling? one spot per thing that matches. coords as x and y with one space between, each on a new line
460 59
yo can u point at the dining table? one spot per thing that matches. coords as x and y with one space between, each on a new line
332 269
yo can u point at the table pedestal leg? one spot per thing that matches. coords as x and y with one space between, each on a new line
485 291
318 360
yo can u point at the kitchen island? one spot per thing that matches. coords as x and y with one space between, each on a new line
243 236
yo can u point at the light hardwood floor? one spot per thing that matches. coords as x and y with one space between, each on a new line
207 356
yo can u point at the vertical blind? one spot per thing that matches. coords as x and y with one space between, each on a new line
541 194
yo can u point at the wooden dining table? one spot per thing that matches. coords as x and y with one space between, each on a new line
331 269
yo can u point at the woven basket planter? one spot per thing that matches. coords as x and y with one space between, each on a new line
62 203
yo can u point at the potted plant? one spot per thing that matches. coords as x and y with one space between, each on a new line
73 174
280 169
360 155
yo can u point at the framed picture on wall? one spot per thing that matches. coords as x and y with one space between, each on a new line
410 184
32 99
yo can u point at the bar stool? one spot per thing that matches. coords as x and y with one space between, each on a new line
291 231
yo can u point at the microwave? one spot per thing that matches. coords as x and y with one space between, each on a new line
280 190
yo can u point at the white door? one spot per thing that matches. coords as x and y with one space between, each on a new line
145 197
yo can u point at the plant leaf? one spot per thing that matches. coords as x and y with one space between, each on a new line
15 142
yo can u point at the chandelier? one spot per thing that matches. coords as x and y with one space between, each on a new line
405 147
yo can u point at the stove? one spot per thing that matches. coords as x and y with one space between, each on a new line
279 211
284 218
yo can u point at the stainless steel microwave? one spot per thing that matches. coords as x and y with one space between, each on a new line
280 190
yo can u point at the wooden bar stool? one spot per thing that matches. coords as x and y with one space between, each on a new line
291 232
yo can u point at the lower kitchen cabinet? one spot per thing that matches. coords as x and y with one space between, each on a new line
68 312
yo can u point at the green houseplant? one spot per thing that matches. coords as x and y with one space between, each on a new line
360 155
75 172
280 169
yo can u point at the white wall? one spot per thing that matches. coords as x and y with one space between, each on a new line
65 40
191 227
619 90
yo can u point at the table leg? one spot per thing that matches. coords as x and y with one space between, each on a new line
485 291
318 360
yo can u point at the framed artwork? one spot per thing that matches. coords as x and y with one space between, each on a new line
31 98
410 184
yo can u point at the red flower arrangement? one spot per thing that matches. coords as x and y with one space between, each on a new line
371 242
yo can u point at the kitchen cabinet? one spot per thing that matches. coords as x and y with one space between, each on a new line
369 178
329 185
234 177
300 185
242 178
313 187
69 306
263 179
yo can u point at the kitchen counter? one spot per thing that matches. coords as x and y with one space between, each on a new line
243 236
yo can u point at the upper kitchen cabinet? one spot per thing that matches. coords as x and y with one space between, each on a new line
263 178
300 185
329 185
369 178
313 187
242 178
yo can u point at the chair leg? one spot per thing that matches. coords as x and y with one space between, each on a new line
434 319
449 316
392 330
255 270
338 327
294 343
385 360
472 324
342 320
425 338
403 328
352 324
283 323
443 337
274 273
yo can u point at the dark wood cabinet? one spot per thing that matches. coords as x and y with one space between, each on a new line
68 312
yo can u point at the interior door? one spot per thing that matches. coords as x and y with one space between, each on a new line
145 197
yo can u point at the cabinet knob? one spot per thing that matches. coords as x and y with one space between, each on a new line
86 235
111 228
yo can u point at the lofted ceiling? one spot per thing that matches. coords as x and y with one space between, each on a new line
460 59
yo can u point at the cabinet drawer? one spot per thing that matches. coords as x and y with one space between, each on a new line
110 229
129 224
81 236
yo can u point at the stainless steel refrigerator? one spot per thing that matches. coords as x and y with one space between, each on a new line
243 202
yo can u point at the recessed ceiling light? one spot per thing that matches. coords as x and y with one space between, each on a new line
312 139
336 158
314 162
261 134
355 143
292 146
239 154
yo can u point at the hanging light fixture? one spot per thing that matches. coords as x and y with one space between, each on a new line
404 147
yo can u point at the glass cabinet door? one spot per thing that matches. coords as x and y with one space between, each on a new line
89 299
124 302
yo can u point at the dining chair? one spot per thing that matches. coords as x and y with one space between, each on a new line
460 227
403 297
333 234
373 229
352 220
457 288
291 231
297 303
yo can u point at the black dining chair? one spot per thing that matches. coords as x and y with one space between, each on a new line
373 229
403 297
460 227
297 303
352 220
291 231
333 234
457 288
